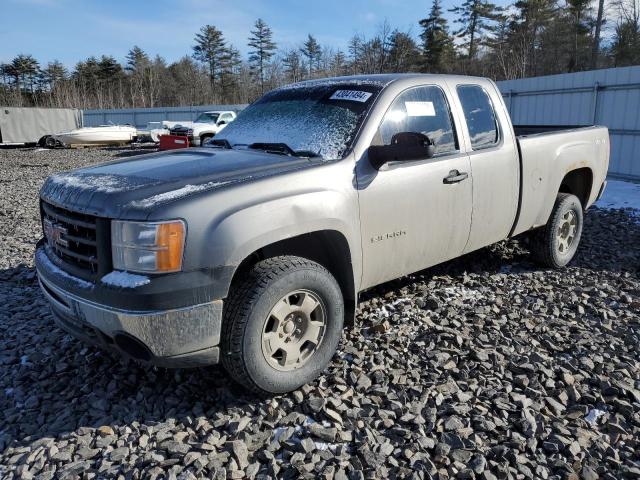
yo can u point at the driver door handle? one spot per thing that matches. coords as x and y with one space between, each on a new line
455 176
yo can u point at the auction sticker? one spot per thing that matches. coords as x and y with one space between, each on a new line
351 95
420 109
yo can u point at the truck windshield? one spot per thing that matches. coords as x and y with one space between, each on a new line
207 118
322 119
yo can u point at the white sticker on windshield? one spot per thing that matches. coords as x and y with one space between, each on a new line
351 95
420 109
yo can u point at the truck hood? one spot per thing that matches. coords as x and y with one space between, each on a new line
182 124
134 187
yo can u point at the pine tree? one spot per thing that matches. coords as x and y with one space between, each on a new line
338 64
230 63
261 40
54 73
475 18
595 51
87 71
531 19
293 67
312 52
108 68
24 69
210 49
355 53
403 52
437 45
626 43
137 59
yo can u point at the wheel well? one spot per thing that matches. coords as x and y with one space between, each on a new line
329 248
206 135
579 183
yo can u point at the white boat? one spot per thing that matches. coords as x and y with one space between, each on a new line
104 134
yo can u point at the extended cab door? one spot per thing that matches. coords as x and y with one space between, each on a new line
494 161
412 216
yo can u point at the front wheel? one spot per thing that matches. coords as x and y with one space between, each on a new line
205 138
282 324
555 244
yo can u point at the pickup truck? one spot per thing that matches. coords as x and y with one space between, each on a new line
251 251
206 126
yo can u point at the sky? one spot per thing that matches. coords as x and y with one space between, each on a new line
72 30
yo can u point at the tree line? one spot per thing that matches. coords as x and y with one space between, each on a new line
527 38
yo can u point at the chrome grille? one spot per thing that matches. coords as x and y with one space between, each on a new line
72 237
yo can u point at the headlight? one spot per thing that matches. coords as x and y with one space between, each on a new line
153 247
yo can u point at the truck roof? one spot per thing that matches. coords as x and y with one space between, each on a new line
383 79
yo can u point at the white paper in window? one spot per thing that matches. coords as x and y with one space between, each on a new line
420 109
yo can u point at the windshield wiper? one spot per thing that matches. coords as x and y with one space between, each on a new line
282 149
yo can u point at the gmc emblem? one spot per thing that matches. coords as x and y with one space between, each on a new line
55 234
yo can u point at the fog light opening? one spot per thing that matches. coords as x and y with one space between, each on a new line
132 347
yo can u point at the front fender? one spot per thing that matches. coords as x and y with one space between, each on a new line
203 131
242 232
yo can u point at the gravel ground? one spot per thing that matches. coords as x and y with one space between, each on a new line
486 367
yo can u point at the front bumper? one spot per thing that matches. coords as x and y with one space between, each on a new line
180 337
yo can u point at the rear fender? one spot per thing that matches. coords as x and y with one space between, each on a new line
568 158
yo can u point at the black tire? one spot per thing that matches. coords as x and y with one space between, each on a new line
544 242
247 309
50 142
204 138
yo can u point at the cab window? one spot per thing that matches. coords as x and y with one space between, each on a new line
480 117
420 110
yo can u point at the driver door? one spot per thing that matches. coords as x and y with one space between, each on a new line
411 216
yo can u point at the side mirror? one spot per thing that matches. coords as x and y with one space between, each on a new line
405 146
222 122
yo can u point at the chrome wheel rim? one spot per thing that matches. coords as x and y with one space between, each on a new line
293 330
567 231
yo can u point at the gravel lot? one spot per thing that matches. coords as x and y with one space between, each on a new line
486 367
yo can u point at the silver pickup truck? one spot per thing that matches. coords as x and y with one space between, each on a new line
251 252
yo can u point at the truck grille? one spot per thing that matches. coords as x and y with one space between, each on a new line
182 131
73 237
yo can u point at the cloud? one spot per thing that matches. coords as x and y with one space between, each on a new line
368 17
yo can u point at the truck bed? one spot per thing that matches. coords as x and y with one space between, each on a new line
525 130
547 154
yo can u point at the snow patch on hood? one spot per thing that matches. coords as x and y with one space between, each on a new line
125 279
42 257
98 183
174 194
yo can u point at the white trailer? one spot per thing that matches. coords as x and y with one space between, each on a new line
23 125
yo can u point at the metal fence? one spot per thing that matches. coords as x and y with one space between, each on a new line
609 97
140 117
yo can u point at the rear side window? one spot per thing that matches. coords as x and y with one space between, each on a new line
481 119
422 110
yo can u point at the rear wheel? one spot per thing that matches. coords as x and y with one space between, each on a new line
555 244
282 324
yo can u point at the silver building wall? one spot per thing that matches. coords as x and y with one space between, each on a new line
609 97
